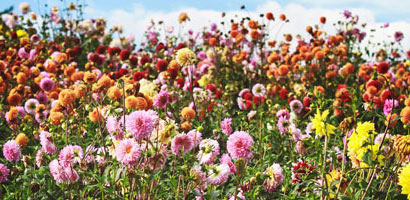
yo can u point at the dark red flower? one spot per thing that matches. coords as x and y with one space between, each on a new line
101 49
248 96
160 46
144 59
383 67
180 82
134 60
124 54
114 50
306 101
211 87
162 65
138 76
123 72
283 93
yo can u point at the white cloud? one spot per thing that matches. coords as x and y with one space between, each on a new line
135 22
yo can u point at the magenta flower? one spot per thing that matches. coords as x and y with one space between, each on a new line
296 106
31 105
196 136
209 150
283 113
39 157
218 175
69 155
239 145
4 173
114 128
46 143
226 126
258 90
47 84
161 100
389 104
11 151
275 178
42 98
57 171
398 36
140 124
128 152
181 141
226 159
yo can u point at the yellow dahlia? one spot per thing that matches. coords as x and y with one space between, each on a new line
320 126
185 57
404 180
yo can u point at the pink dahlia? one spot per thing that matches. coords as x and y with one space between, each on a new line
296 106
70 154
46 143
239 145
128 152
226 159
226 126
181 141
275 178
57 171
140 124
161 100
39 157
196 137
11 151
47 84
218 175
389 104
209 150
4 173
71 174
114 128
258 90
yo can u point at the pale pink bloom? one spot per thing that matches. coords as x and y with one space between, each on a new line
128 152
209 150
181 141
218 174
11 151
239 145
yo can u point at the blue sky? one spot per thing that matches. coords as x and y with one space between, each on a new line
384 10
135 16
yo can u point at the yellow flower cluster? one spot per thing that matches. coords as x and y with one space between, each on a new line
320 126
357 146
148 88
404 180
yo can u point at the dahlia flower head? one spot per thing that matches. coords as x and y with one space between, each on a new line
296 106
128 152
218 174
258 90
226 159
209 150
196 137
181 141
70 155
161 100
114 127
275 178
62 174
239 145
226 126
141 123
4 173
11 151
46 143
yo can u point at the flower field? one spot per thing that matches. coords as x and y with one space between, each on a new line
231 111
